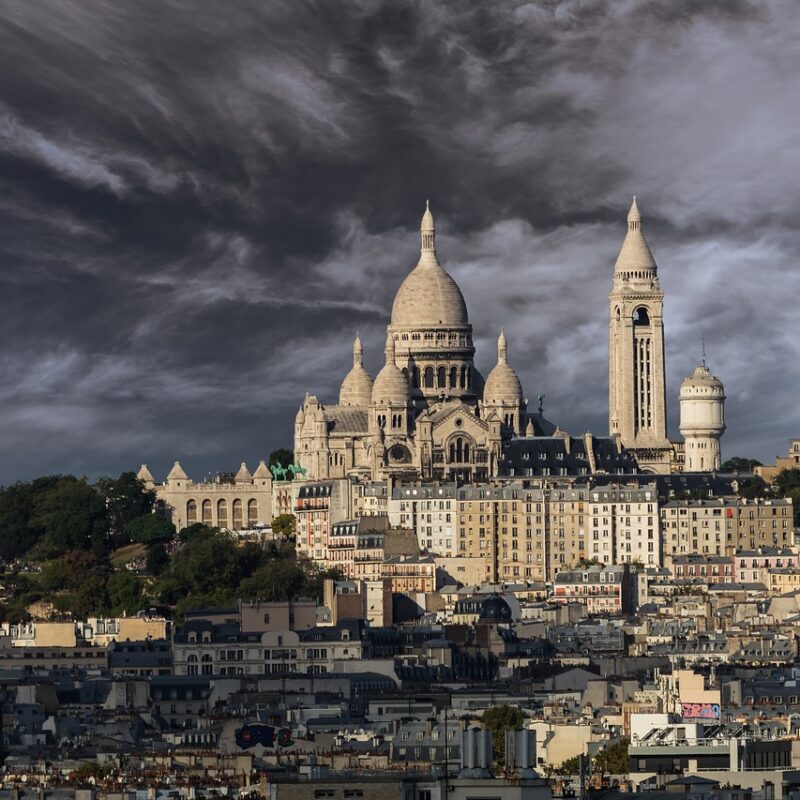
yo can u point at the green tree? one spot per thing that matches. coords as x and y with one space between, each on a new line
572 766
787 484
282 456
613 760
739 464
284 525
124 592
150 528
278 579
18 530
72 516
126 499
157 559
498 720
206 563
752 488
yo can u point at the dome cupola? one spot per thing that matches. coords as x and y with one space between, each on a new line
391 387
357 386
429 297
502 385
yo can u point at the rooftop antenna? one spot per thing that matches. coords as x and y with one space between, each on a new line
704 349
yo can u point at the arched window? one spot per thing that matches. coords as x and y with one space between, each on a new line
416 377
453 377
641 316
463 377
429 377
191 512
252 512
441 378
207 512
237 514
466 451
469 377
222 513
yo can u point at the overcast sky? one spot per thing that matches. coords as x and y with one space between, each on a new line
201 202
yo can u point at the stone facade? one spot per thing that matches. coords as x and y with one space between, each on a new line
238 502
702 399
637 406
429 413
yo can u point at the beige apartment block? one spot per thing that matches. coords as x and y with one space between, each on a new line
723 526
239 502
637 405
625 525
568 523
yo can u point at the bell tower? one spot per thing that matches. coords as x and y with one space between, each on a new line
637 409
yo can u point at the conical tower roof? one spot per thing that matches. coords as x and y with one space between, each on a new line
145 475
243 475
177 473
635 259
262 470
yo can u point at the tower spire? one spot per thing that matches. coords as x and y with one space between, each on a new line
634 217
389 350
427 230
358 351
704 349
502 348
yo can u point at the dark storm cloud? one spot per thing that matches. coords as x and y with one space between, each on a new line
199 205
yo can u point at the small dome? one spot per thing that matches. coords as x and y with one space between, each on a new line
495 609
702 378
428 295
502 385
391 386
357 385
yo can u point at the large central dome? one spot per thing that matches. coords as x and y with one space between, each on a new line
429 296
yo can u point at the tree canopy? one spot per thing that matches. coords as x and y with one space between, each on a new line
740 464
498 720
282 456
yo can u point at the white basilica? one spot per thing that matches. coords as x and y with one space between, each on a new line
428 413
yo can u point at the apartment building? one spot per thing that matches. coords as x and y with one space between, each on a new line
430 510
723 526
603 590
317 508
624 525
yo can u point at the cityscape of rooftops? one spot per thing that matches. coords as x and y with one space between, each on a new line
399 400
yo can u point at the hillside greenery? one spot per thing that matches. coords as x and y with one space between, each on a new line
107 548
